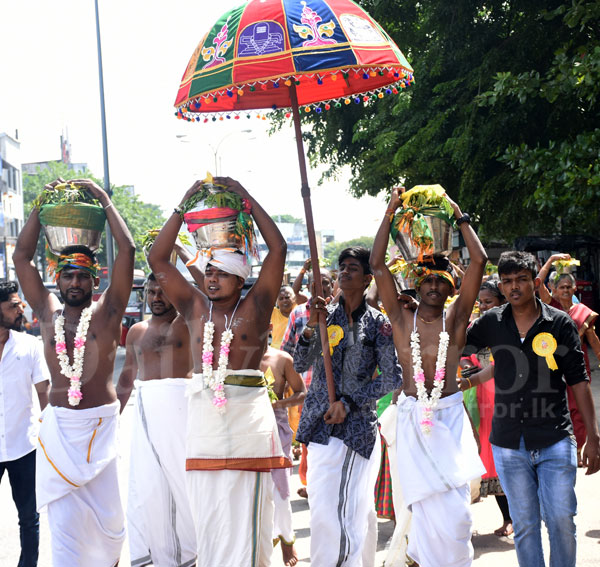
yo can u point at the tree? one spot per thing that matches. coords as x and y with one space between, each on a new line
489 139
287 218
563 165
138 215
333 249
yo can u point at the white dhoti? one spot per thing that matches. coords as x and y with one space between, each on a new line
229 459
341 496
76 478
435 470
282 519
396 555
159 518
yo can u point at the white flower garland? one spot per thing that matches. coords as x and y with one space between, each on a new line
429 401
72 372
215 380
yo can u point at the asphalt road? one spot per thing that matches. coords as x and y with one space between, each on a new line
490 550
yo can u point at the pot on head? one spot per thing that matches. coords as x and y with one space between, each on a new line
441 232
59 237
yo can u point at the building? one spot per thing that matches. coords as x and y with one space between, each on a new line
11 193
65 157
298 249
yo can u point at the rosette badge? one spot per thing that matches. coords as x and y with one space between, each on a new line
70 215
424 224
217 218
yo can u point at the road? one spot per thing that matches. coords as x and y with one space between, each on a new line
490 550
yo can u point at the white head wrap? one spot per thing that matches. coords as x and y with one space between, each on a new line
229 260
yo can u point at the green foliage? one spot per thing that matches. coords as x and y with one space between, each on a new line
220 199
287 219
333 249
62 194
503 113
139 216
563 166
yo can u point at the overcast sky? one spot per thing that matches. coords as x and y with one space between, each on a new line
49 85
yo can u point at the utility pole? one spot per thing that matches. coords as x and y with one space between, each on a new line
109 240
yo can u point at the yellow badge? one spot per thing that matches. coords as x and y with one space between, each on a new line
335 334
544 344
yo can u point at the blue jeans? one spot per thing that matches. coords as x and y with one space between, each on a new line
540 485
21 475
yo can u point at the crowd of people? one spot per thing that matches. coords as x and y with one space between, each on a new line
229 385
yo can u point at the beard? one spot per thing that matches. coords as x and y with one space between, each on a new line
161 309
16 325
76 302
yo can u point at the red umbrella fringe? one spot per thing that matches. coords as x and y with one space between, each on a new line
190 110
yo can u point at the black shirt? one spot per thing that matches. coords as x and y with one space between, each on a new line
530 398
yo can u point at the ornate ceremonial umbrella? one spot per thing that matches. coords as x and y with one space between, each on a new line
307 55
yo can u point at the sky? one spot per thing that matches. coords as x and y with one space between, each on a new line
49 86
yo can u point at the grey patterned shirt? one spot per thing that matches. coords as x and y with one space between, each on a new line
366 345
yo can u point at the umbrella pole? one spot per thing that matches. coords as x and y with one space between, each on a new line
312 242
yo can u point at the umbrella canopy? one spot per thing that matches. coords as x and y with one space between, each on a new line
332 51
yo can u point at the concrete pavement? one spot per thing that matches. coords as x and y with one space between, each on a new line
490 550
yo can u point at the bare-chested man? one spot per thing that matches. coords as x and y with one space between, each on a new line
160 524
280 366
76 466
437 454
232 441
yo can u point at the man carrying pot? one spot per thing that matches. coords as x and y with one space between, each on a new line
436 452
76 460
232 442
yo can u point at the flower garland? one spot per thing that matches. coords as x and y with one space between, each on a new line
72 372
429 401
215 380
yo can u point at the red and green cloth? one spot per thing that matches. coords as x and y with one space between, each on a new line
76 261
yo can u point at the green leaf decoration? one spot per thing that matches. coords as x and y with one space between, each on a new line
64 193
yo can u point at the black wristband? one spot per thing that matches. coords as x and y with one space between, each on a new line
465 218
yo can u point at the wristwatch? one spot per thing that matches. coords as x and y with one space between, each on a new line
465 218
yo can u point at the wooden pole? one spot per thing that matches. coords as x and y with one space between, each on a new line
312 242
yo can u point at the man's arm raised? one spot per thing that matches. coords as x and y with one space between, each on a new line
179 291
264 291
471 282
115 298
41 300
185 256
386 285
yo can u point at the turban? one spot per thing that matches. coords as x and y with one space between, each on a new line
420 273
229 260
76 261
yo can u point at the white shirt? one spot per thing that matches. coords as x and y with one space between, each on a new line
22 365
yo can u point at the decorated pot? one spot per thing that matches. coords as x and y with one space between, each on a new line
68 224
441 233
